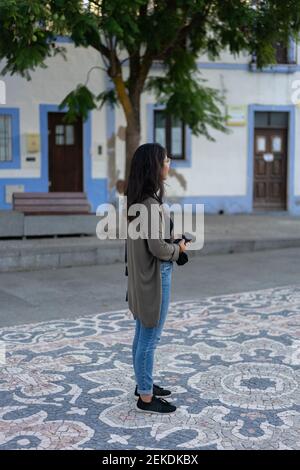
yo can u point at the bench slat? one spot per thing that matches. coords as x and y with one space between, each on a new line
54 208
54 202
49 195
51 203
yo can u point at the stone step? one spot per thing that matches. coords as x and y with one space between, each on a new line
51 253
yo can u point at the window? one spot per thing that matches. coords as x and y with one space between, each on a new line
281 53
271 120
5 138
64 135
170 133
285 55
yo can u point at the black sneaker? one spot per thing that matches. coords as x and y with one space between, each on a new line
156 405
157 391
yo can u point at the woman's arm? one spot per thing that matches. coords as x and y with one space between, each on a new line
156 243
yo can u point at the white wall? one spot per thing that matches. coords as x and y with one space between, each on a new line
50 86
218 168
221 167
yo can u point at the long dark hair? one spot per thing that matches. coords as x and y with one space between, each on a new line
145 176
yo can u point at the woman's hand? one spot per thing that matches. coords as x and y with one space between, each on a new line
182 246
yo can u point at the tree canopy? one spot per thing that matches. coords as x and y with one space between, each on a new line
136 35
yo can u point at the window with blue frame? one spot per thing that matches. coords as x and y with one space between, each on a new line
5 138
170 132
284 53
9 138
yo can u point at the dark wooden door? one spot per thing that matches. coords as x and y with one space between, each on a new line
65 154
270 169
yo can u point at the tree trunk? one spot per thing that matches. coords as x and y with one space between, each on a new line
133 135
131 103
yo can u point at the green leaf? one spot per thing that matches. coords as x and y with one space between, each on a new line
78 103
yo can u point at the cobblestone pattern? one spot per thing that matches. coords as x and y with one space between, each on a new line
232 363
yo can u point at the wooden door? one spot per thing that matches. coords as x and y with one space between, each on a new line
65 154
270 169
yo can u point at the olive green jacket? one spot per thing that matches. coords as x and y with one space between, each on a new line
144 256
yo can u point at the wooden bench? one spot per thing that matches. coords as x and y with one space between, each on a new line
51 203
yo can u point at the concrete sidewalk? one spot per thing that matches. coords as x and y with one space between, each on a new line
223 234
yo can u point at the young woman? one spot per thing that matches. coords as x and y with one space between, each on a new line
150 265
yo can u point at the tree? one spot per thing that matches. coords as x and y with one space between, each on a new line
132 35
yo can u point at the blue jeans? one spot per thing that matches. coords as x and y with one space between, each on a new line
146 339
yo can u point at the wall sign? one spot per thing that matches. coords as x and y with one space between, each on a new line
237 116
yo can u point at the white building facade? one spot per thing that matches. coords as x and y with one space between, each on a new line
256 166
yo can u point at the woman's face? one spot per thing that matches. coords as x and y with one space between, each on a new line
166 167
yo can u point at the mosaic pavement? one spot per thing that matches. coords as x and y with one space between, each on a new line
231 361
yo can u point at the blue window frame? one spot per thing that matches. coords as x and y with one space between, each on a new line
286 56
9 138
172 133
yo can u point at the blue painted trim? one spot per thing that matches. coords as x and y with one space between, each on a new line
64 39
30 185
293 206
244 204
250 158
245 67
292 51
158 65
279 68
276 68
96 189
215 204
291 67
187 162
293 201
15 129
110 113
222 66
